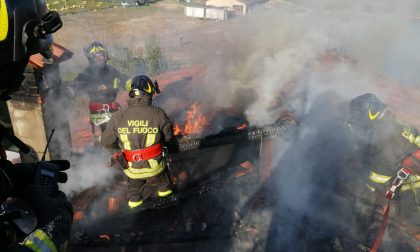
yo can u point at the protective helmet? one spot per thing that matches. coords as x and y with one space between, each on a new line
142 84
25 29
365 110
96 49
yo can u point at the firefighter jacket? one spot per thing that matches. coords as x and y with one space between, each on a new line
391 141
136 127
89 81
101 85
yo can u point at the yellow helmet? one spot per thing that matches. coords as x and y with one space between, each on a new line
96 48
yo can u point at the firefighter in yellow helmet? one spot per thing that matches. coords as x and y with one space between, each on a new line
387 146
101 83
141 130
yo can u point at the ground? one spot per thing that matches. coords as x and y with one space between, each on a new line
185 40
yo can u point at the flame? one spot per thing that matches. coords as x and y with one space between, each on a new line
78 216
242 126
196 122
177 129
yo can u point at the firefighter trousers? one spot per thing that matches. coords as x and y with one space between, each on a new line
143 189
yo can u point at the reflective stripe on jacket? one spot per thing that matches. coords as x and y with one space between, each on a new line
39 241
136 127
390 142
379 180
145 172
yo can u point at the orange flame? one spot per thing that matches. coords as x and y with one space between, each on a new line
78 216
196 122
177 129
242 126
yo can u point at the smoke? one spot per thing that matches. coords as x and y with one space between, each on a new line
310 58
87 171
283 48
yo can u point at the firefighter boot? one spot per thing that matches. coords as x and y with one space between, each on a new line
134 201
164 193
134 204
164 185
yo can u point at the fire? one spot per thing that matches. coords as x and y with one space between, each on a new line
78 215
177 129
242 126
195 123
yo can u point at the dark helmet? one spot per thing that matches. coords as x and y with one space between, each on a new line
25 29
366 109
142 84
96 49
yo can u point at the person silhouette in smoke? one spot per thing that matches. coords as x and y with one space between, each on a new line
311 211
331 197
101 83
386 145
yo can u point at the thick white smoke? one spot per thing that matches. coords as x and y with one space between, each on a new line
309 57
88 171
284 44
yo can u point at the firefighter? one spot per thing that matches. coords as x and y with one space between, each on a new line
140 131
101 83
388 145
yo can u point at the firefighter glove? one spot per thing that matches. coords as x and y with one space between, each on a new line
25 173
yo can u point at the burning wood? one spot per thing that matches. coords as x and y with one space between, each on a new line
195 123
78 216
247 166
242 126
177 129
113 205
239 135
